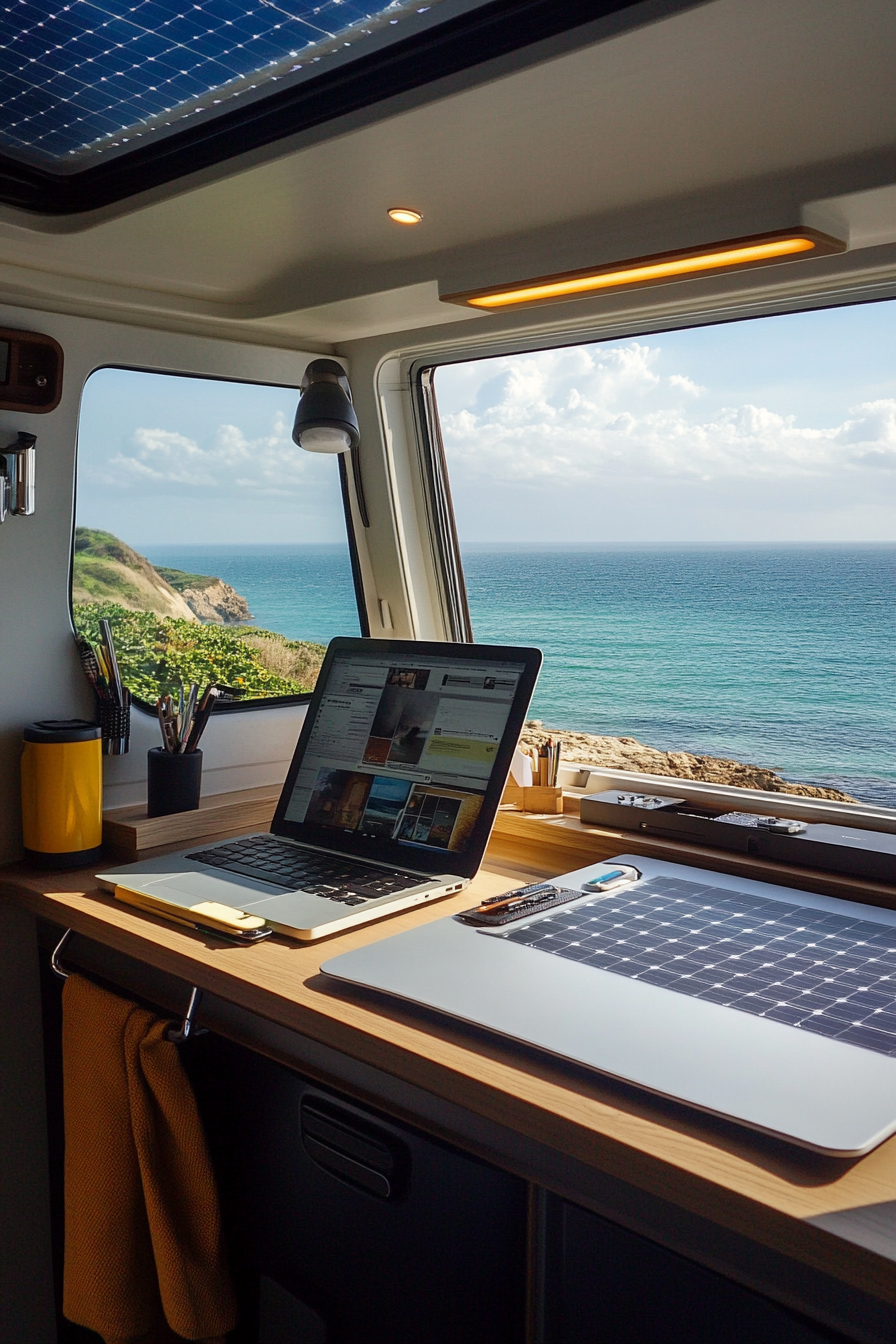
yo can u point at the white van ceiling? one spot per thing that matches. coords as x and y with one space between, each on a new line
730 118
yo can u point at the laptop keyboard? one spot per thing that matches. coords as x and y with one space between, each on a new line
287 866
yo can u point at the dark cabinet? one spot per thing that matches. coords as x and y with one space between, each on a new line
381 1233
605 1285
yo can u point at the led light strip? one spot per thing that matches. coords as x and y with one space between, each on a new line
741 252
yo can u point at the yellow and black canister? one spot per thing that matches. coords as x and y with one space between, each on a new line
62 793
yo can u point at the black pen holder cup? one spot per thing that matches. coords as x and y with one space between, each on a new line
115 721
173 781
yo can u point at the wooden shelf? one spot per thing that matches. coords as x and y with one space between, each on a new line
131 834
550 845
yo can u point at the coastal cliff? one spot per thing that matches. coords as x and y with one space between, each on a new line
172 627
627 753
209 598
106 569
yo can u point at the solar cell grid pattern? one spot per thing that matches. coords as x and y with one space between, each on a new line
94 76
820 972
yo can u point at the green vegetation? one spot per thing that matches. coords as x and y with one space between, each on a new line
294 659
159 654
180 579
99 580
90 541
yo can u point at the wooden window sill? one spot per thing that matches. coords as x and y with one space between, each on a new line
546 844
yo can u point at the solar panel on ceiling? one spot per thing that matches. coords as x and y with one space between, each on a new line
819 972
91 79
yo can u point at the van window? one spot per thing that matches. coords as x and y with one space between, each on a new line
216 547
698 527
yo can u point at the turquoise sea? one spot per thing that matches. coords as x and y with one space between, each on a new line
784 656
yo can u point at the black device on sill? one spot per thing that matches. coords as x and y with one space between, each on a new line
835 848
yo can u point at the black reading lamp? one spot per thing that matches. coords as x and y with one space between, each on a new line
326 421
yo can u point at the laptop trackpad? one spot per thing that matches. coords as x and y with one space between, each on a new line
190 888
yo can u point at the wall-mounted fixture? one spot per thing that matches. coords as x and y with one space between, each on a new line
17 476
30 371
762 249
325 419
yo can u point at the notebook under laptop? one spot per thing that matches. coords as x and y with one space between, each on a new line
389 801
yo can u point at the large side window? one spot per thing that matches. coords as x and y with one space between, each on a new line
699 528
214 545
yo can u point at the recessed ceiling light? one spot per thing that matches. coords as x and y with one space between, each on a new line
735 254
401 215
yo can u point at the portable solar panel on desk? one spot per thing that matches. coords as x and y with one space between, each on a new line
772 1007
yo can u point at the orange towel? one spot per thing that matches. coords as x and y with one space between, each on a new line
143 1239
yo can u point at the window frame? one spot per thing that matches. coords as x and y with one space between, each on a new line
442 525
420 369
257 702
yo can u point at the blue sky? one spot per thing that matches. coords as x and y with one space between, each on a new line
175 460
780 429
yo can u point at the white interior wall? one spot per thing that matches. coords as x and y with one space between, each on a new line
40 675
242 750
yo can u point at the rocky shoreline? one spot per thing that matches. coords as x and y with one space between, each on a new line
210 599
627 753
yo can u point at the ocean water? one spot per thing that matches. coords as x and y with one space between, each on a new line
781 656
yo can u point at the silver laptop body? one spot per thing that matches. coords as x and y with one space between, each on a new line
394 787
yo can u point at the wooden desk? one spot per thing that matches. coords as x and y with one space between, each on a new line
817 1234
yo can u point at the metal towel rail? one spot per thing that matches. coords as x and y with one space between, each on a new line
178 1035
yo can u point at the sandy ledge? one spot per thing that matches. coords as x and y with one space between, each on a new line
627 753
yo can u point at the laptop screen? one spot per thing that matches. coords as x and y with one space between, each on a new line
405 750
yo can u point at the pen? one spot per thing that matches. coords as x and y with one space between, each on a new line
187 717
203 713
496 905
112 673
183 725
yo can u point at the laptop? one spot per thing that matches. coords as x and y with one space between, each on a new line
389 801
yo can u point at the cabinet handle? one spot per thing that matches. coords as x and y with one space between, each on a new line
352 1151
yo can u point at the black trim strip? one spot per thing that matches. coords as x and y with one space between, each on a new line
357 580
459 44
355 455
237 706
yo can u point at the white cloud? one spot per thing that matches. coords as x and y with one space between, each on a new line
583 415
268 465
686 384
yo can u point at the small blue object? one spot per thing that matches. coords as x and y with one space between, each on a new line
601 878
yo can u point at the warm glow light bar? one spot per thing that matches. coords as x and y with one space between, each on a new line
762 250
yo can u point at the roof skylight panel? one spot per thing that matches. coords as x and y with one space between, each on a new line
86 79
